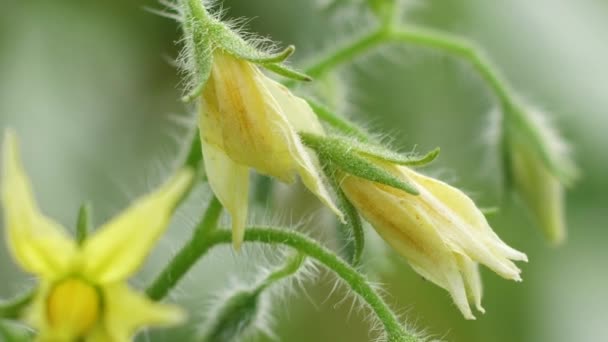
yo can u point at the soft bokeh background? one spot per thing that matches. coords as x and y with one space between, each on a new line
89 87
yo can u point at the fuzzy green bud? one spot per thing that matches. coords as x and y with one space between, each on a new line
235 317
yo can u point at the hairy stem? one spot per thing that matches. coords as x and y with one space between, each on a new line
425 38
344 54
202 242
290 268
355 280
460 48
196 247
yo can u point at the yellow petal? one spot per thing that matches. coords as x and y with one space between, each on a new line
239 116
230 183
38 244
119 247
297 111
300 113
462 224
472 279
410 230
126 311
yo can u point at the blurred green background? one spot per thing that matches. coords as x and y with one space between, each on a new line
90 89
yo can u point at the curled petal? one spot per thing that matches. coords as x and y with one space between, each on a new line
230 183
465 227
119 247
472 279
297 111
38 244
300 116
410 230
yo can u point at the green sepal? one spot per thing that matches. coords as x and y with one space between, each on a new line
387 155
340 152
352 231
201 47
287 72
84 222
232 43
363 143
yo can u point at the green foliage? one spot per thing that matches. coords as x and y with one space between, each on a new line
340 152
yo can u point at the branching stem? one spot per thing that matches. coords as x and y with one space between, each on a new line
207 239
183 261
424 38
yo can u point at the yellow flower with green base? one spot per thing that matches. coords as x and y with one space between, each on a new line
82 293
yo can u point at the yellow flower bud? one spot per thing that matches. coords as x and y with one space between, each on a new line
249 121
541 191
441 232
541 168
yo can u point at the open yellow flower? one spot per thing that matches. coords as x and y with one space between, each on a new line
82 293
247 121
441 232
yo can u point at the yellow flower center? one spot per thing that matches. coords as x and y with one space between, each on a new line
73 307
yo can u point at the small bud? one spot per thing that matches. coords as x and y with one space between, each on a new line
541 191
237 316
539 168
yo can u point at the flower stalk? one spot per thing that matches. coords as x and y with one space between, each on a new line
200 242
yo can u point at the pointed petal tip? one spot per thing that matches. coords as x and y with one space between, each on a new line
480 309
557 241
340 215
236 245
470 317
238 234
174 315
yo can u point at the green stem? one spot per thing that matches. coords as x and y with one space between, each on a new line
292 266
345 53
12 309
198 245
463 49
337 122
356 281
425 38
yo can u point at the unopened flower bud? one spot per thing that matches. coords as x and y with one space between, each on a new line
540 168
440 231
238 315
